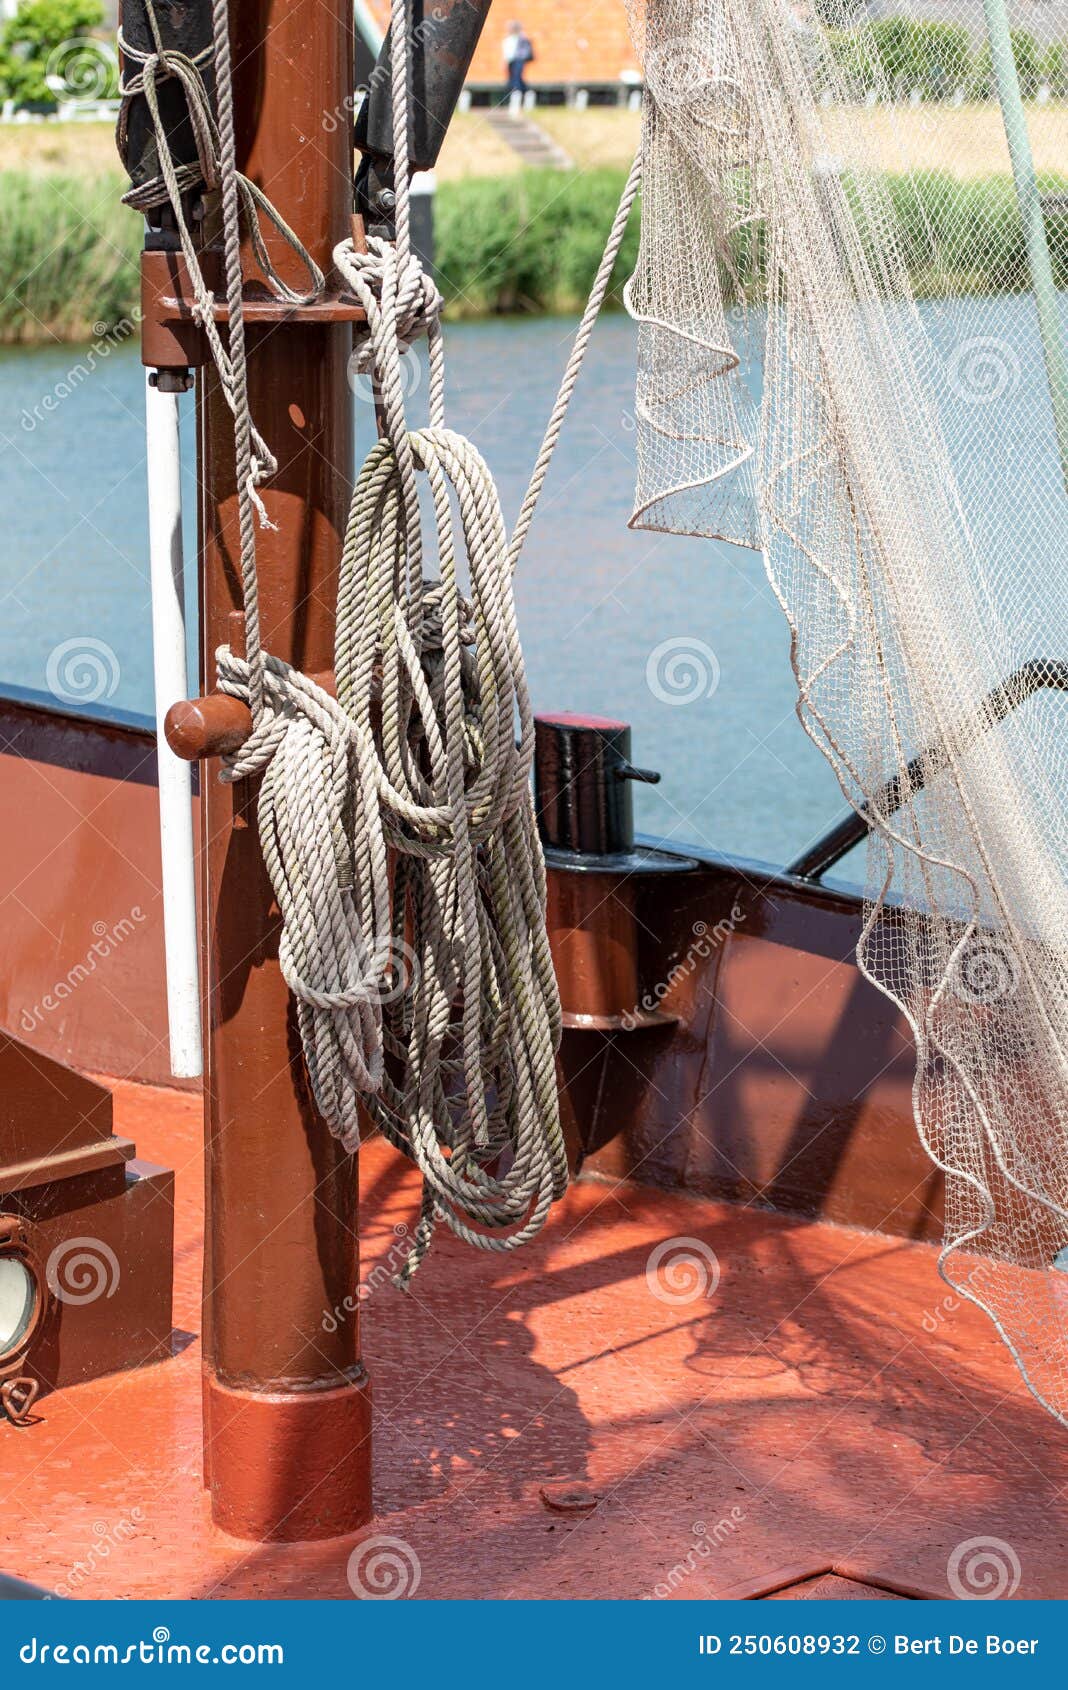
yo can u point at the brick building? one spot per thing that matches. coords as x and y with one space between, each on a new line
582 45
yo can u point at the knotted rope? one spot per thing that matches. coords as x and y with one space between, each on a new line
175 180
397 821
215 168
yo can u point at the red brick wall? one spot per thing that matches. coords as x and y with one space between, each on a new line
584 41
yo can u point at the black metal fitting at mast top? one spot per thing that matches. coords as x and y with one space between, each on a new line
179 31
184 26
444 35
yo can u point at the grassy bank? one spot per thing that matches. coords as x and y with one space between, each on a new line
533 242
529 242
968 238
68 257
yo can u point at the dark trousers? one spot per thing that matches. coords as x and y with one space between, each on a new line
516 82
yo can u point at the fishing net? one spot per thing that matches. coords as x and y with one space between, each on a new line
851 357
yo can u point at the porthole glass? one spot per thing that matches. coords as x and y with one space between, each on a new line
18 1294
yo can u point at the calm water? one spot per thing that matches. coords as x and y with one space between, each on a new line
596 600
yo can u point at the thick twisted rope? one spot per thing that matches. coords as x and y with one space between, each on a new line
396 820
431 1000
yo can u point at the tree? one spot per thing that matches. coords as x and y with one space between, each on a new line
1029 67
46 49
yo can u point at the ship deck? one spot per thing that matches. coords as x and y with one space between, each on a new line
825 1407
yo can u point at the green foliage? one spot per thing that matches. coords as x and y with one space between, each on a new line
1055 69
934 59
853 57
1030 64
931 57
530 242
525 243
51 38
966 237
68 257
42 25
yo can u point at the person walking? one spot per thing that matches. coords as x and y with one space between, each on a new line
517 53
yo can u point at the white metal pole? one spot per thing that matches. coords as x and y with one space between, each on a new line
1047 304
172 683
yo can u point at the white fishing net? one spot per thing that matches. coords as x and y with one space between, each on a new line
851 356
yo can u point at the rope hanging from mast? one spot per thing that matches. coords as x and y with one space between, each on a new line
215 168
397 820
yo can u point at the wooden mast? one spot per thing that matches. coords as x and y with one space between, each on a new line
287 1450
287 1411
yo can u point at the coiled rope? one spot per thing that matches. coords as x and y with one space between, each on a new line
397 821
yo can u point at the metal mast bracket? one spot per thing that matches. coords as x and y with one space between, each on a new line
444 37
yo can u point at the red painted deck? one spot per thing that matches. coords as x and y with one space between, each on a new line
799 1417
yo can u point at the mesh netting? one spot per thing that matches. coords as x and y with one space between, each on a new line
851 357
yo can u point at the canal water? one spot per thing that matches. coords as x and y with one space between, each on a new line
682 637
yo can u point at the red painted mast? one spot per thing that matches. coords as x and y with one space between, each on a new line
287 1410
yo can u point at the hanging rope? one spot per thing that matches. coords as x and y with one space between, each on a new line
242 200
397 821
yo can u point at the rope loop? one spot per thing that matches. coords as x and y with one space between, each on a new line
175 180
377 274
397 820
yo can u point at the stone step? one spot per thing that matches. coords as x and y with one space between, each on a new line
529 142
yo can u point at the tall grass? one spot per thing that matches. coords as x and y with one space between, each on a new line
68 256
530 242
967 237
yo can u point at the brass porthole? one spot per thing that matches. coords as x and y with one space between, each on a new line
23 1293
